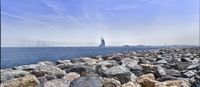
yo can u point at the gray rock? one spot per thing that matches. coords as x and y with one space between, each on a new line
186 60
162 62
63 66
108 63
189 74
57 83
7 74
194 66
67 62
86 81
26 67
43 69
126 61
172 72
196 60
182 65
110 82
46 63
136 69
159 71
121 73
82 70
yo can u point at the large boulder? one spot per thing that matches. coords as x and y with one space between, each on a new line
121 73
47 69
86 81
7 74
27 81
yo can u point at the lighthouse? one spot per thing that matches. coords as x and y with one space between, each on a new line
102 42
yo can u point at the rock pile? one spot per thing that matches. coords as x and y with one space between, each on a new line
167 67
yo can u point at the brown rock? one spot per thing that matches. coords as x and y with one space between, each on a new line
141 78
27 81
131 84
176 83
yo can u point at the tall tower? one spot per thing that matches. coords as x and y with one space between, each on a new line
102 42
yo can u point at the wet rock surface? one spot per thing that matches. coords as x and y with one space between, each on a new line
167 67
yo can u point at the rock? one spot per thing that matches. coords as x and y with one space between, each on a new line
182 65
136 69
67 62
44 69
126 61
82 70
46 63
148 68
63 66
186 60
149 81
110 82
119 72
71 76
144 61
89 61
196 61
159 71
172 72
26 67
177 83
108 63
7 74
152 83
194 66
165 78
57 83
131 84
162 62
27 81
189 74
196 84
133 77
86 81
141 78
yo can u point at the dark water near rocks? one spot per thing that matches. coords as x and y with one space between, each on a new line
16 56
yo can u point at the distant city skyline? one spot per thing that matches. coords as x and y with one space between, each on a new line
83 22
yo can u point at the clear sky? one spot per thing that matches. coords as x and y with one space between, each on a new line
83 22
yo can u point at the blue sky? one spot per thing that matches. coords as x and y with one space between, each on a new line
83 22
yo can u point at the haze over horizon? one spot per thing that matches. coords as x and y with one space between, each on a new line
83 22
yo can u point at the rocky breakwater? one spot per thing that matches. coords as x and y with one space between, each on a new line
174 67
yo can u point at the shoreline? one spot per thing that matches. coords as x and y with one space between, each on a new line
152 68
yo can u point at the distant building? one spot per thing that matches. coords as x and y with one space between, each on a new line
102 43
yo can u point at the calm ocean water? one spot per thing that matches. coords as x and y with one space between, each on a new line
15 56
